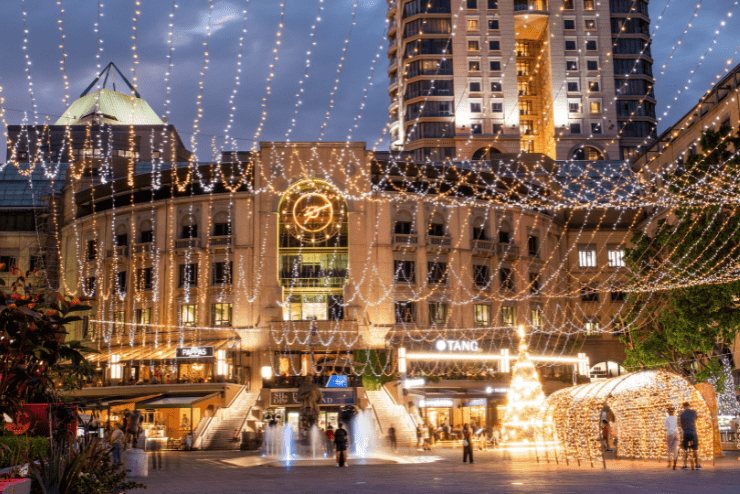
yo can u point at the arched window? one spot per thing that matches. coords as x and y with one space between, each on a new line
504 233
121 235
485 154
221 224
436 225
404 223
146 231
584 153
479 229
189 227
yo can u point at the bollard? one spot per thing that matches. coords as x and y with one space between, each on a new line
138 462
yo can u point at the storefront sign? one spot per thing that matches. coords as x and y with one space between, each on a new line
337 381
436 403
194 352
477 402
416 382
332 397
456 346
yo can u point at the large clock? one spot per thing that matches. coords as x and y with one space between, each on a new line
312 211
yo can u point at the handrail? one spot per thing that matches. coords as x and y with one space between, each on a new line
377 419
218 414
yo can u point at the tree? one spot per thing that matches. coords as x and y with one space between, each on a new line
686 328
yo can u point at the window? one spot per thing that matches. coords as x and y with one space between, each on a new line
575 128
572 86
472 4
571 65
492 4
474 107
492 24
574 107
589 294
145 278
494 45
591 328
591 45
119 321
221 314
618 296
405 312
479 230
90 285
495 66
590 24
404 271
506 276
473 45
596 128
121 282
221 229
92 249
147 236
472 24
533 247
497 107
508 315
143 319
496 87
570 45
437 313
567 4
524 88
588 4
587 256
569 24
188 315
498 128
221 274
476 128
121 239
8 261
592 64
595 106
403 224
522 68
534 283
190 231
503 237
474 66
188 275
593 86
481 275
616 257
436 226
475 87
535 318
482 314
437 273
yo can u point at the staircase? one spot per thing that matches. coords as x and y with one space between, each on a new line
389 412
218 432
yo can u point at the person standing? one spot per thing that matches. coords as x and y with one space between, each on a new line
392 437
605 435
329 440
690 438
340 441
671 430
467 444
117 439
419 438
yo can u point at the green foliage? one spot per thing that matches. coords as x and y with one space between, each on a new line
376 363
33 350
684 327
14 448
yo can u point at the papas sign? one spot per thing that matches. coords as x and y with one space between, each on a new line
194 352
456 346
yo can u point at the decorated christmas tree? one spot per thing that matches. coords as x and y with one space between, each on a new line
525 398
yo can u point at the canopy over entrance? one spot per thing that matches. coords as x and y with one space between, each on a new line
569 420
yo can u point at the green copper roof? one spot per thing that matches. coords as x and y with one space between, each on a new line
109 107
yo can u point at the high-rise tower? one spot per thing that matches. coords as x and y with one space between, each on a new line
472 78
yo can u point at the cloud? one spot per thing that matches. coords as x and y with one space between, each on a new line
222 15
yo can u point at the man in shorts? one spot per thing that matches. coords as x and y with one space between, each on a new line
690 438
340 441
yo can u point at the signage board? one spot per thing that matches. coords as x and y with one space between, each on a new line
337 381
436 403
330 397
194 352
456 346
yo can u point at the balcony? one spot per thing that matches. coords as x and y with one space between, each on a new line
220 242
483 248
436 243
120 251
508 250
144 248
525 6
329 279
405 241
187 243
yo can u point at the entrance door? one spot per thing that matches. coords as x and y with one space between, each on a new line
293 420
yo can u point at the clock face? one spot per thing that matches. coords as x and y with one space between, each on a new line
313 211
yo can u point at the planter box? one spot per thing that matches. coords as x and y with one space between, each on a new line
15 486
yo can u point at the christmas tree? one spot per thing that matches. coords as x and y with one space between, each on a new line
525 398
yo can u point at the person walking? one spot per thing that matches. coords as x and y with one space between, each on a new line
329 440
605 435
690 438
425 436
392 437
419 438
432 437
467 444
117 440
340 441
671 430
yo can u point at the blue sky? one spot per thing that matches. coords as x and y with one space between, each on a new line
262 23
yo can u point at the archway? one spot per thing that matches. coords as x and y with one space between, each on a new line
485 153
587 153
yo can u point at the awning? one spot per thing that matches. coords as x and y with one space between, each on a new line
149 352
174 401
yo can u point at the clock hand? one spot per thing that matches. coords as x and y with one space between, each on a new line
312 212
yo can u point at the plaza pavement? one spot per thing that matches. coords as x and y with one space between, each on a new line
232 472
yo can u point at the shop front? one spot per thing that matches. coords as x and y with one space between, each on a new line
168 420
285 406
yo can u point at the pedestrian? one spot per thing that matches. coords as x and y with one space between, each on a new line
392 437
340 441
117 440
690 438
467 444
235 438
425 437
671 430
329 440
419 438
432 437
605 435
